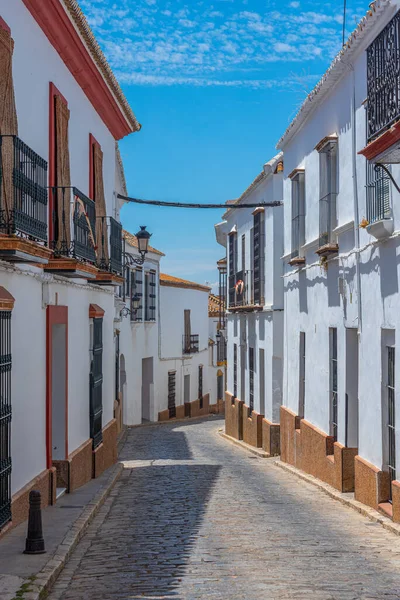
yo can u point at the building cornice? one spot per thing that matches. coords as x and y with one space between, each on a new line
65 26
338 67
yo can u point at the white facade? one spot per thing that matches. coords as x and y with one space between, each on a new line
353 292
55 399
256 324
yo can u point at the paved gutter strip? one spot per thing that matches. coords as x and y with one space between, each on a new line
40 585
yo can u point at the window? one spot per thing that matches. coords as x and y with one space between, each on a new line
127 282
150 295
201 385
333 373
302 374
391 422
258 258
137 288
298 213
243 253
235 370
96 383
327 192
5 421
378 194
233 252
171 394
251 375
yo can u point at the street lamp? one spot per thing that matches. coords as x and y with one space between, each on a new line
135 306
142 237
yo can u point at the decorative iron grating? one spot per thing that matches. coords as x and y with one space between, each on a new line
5 417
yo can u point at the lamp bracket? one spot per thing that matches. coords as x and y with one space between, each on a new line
388 173
131 260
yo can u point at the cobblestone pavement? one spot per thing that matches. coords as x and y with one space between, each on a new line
196 517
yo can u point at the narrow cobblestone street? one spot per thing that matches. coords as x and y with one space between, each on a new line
196 517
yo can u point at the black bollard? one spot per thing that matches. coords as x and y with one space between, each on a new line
34 541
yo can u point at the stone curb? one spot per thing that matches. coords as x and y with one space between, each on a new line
344 499
40 585
257 451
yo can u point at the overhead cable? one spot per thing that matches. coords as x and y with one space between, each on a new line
189 205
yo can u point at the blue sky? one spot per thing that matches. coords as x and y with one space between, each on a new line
214 85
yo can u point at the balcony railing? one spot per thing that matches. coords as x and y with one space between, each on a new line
241 289
23 190
74 224
383 79
109 245
191 344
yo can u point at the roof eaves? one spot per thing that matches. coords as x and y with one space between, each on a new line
336 69
74 11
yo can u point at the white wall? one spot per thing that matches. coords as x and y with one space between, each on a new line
35 64
261 329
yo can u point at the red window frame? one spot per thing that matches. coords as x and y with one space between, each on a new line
92 144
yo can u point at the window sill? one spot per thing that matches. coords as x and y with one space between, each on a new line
381 229
343 228
327 250
297 261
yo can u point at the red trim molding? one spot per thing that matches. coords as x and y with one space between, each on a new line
96 312
55 315
382 143
3 25
6 299
60 31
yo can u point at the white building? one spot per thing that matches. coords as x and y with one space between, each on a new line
60 252
341 414
254 241
184 352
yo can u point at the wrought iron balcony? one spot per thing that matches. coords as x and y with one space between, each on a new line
240 289
109 245
191 344
74 225
383 79
23 191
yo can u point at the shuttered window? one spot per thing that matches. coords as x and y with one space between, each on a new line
327 192
258 257
298 213
150 296
137 289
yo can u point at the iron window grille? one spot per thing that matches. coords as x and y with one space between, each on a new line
221 349
171 394
333 384
190 344
150 295
327 192
83 236
383 79
222 298
302 375
110 245
117 365
378 194
96 384
251 380
127 282
233 267
258 258
235 370
298 213
5 417
137 289
200 386
391 421
28 215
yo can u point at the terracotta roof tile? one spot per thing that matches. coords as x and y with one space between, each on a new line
214 305
170 280
132 240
